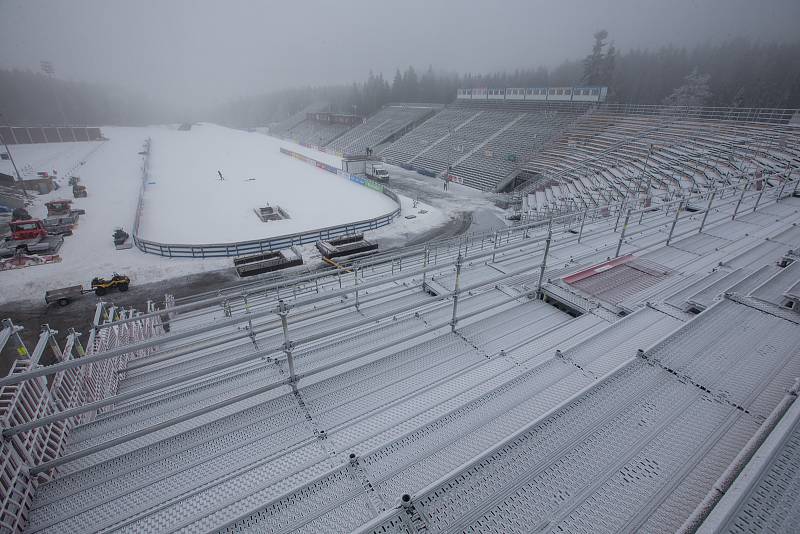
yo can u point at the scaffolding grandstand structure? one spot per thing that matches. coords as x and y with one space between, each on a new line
612 368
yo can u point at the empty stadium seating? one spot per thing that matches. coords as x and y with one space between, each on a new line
316 133
293 120
611 153
385 125
484 143
504 382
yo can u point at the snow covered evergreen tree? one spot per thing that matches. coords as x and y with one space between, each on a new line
593 64
695 91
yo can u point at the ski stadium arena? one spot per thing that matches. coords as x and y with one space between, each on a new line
620 354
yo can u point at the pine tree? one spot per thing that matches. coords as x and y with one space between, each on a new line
593 63
609 64
694 92
410 84
398 95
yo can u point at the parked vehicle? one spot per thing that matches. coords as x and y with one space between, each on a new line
30 237
63 296
100 286
378 173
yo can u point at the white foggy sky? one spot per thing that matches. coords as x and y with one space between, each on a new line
203 52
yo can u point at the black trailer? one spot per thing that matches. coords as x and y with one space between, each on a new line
345 246
266 262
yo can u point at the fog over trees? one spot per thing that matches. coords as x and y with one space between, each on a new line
35 99
736 72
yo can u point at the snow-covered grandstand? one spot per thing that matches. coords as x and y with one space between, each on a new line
615 152
613 369
483 142
385 126
563 156
567 155
280 129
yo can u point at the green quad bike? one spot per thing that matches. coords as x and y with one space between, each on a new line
100 286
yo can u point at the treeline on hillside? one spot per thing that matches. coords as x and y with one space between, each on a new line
738 73
34 99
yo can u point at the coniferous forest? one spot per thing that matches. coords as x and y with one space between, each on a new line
738 73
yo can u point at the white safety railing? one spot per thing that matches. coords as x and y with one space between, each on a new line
32 400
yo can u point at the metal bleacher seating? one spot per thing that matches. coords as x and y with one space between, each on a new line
484 143
316 133
385 125
280 129
614 151
553 377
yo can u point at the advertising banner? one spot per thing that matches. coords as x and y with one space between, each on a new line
373 185
333 170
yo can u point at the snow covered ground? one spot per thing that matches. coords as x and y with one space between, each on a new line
112 178
185 202
111 171
63 158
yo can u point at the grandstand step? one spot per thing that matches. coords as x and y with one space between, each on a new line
458 127
319 404
756 256
774 288
419 457
299 328
436 288
679 299
705 297
683 438
767 487
754 279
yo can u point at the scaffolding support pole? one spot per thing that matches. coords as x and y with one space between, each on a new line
674 222
425 257
583 221
739 202
283 312
456 288
355 277
622 233
708 209
544 259
760 194
780 192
